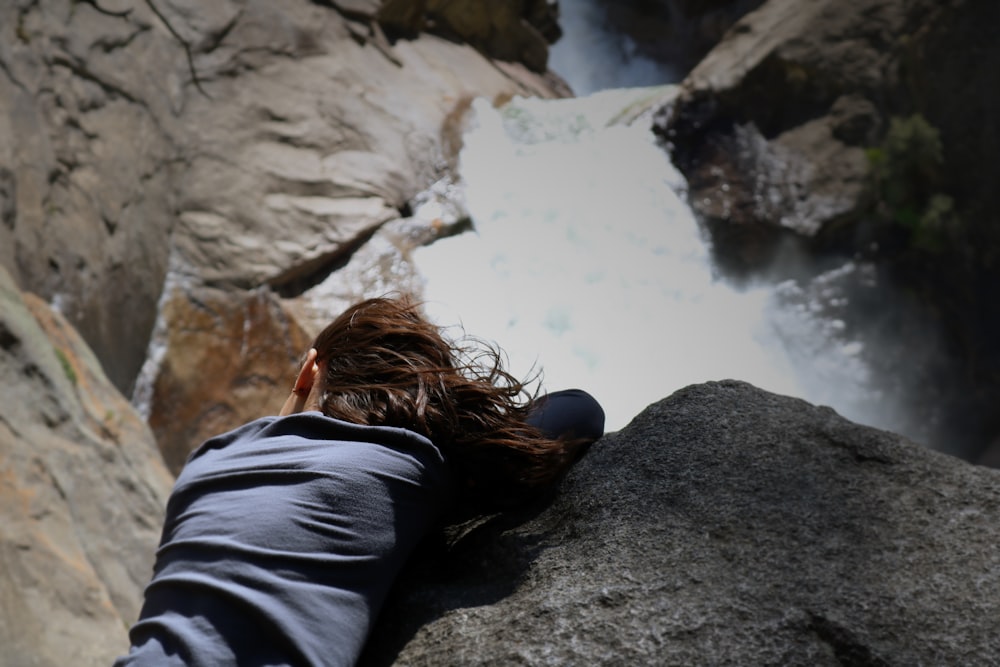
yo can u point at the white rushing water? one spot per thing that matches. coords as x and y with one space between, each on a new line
590 57
587 262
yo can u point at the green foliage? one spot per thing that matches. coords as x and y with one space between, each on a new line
906 169
913 159
66 366
876 157
914 141
931 232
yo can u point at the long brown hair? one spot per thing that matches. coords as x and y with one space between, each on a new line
383 363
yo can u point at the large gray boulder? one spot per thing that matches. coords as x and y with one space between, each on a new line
724 526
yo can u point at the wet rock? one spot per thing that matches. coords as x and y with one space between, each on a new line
754 194
724 525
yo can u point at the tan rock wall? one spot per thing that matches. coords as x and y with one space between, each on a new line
82 491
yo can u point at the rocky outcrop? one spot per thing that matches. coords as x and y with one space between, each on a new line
173 160
859 129
82 491
724 525
771 126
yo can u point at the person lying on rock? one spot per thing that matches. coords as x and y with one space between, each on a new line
283 536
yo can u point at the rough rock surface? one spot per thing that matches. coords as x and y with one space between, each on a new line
86 160
510 31
724 526
82 490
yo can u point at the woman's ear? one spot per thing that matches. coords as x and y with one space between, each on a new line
303 385
307 374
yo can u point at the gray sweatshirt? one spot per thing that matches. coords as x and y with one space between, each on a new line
281 541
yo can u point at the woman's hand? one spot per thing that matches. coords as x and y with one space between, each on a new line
303 387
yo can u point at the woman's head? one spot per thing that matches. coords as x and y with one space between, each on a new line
382 363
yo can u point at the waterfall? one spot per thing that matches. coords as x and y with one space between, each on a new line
586 261
590 57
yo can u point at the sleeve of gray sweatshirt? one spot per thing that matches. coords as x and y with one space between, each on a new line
281 541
